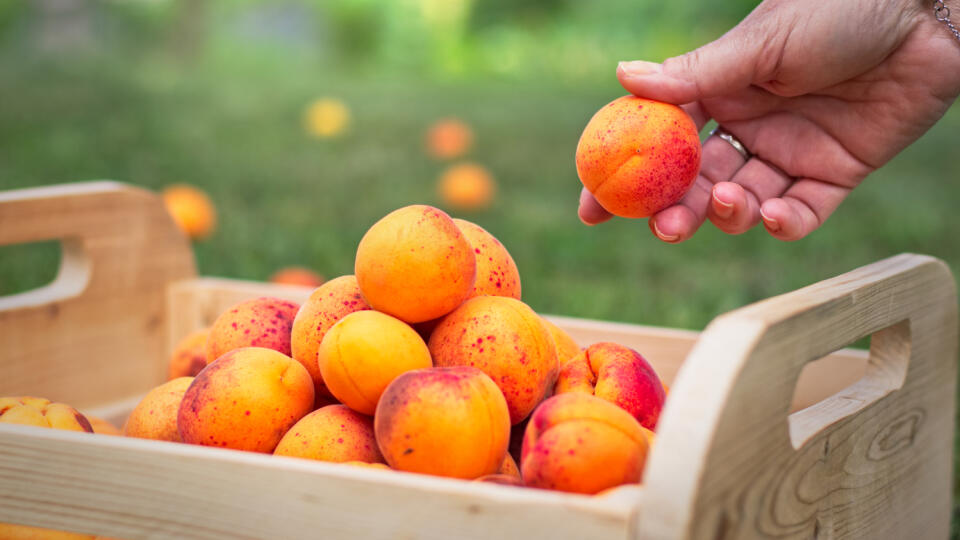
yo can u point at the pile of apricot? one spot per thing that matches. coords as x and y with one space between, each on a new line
424 361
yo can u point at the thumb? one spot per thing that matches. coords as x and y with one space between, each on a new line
716 69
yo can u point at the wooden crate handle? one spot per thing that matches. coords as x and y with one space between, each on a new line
99 328
872 461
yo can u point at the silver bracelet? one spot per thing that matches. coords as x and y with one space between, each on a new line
942 14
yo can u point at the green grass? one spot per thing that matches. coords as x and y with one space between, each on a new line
284 198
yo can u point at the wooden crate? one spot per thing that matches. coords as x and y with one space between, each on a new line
770 429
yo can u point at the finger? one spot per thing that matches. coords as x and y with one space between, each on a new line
678 222
697 113
735 205
718 68
802 208
590 211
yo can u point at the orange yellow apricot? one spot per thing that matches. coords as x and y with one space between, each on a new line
332 433
155 417
260 322
415 264
443 421
497 273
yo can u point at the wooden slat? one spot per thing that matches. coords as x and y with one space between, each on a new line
134 488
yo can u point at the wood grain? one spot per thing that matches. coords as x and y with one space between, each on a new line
873 461
134 488
98 332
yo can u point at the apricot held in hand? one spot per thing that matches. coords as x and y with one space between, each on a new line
245 400
582 444
617 374
415 264
362 353
261 322
443 421
638 156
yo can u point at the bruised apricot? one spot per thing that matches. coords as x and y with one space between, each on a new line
497 274
34 411
638 156
261 322
332 433
191 209
506 340
363 352
466 186
617 374
155 417
327 304
415 264
582 444
189 356
246 400
443 421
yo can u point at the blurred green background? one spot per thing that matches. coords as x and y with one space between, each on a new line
213 93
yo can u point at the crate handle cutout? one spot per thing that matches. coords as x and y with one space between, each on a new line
742 466
886 370
72 278
105 312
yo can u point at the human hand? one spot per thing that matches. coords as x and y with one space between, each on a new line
821 93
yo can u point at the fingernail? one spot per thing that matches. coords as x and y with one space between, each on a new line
639 68
722 209
771 224
664 237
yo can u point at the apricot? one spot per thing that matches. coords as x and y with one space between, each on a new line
638 156
10 531
326 117
506 340
363 352
262 322
443 421
155 417
497 274
102 427
448 138
617 374
327 304
246 400
191 209
189 356
415 264
332 433
582 444
651 436
368 465
296 275
34 411
466 186
509 467
567 348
